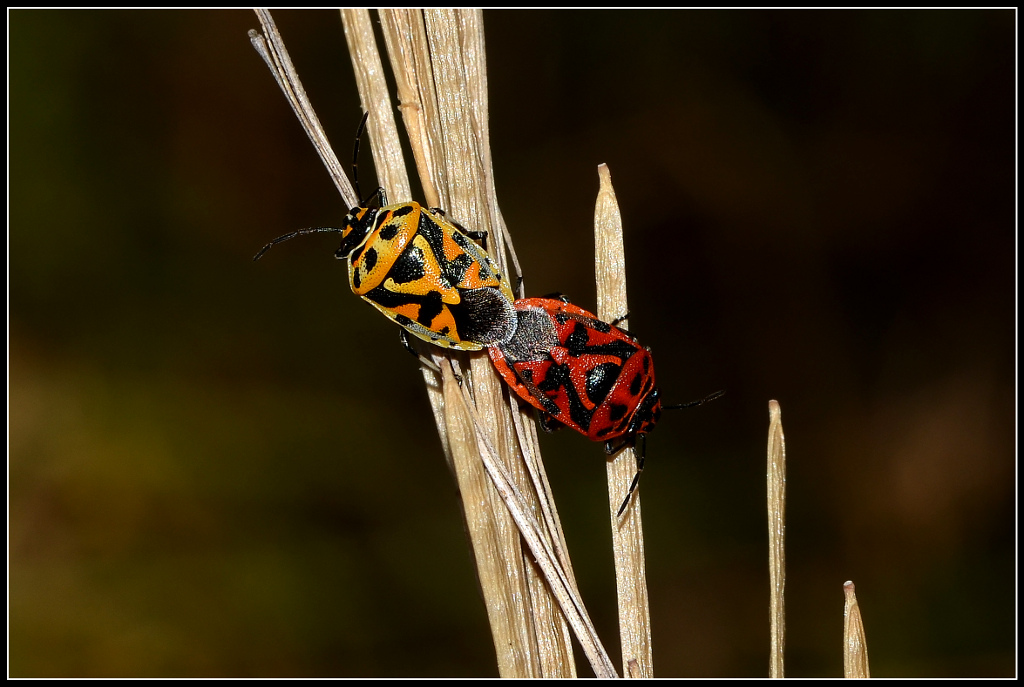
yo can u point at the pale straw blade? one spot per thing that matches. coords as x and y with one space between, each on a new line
777 538
627 529
540 548
440 101
271 48
492 533
855 647
373 94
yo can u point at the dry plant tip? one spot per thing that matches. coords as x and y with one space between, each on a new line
855 648
776 482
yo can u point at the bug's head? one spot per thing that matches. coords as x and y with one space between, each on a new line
648 414
358 222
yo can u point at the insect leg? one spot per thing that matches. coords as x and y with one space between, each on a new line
407 345
474 234
640 457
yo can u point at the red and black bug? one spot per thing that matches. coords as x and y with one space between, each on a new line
583 372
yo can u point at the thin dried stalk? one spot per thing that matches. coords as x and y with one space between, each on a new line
438 59
529 528
855 647
373 94
406 40
271 48
627 529
777 537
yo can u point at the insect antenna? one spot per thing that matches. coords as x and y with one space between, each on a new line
640 452
300 232
355 154
381 197
694 404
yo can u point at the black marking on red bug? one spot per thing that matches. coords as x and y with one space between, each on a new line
581 362
600 380
559 379
583 372
617 412
578 344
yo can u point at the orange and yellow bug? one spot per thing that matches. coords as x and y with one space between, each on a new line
424 272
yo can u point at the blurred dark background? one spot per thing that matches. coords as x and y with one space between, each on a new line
220 468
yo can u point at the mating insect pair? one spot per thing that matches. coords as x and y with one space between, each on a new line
424 272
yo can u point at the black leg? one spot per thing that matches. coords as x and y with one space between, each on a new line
407 345
640 457
558 296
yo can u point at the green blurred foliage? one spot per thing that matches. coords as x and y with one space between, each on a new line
218 468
